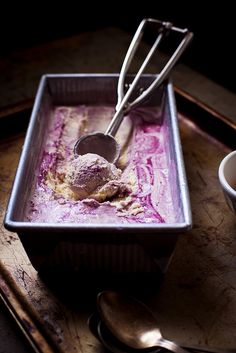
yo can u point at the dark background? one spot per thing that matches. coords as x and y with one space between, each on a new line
212 52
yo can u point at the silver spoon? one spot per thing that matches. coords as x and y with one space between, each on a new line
115 346
105 144
132 323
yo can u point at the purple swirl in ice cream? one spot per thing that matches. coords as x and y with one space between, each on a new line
91 190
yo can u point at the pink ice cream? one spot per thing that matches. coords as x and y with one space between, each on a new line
89 189
92 176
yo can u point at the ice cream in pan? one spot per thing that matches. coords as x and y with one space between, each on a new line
89 189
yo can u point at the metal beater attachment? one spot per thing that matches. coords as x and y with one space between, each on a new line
104 143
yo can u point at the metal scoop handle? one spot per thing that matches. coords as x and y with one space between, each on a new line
123 105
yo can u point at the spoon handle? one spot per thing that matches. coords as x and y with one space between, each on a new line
177 348
123 104
171 346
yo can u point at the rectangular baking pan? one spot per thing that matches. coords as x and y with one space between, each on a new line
95 247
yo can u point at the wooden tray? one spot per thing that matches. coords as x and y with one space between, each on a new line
195 302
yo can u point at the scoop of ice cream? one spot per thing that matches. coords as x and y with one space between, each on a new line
92 176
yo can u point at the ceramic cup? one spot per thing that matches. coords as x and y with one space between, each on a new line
227 177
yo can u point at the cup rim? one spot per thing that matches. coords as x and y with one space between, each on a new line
222 178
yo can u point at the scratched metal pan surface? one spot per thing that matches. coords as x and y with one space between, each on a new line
75 89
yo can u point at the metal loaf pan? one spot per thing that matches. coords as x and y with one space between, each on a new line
96 247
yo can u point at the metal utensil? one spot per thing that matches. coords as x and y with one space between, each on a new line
105 144
132 323
115 346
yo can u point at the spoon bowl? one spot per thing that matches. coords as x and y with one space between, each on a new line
100 331
99 143
132 322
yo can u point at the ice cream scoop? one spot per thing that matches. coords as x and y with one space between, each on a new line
105 144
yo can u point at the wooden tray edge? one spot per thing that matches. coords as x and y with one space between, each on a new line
14 302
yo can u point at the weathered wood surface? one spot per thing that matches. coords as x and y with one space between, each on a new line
196 302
